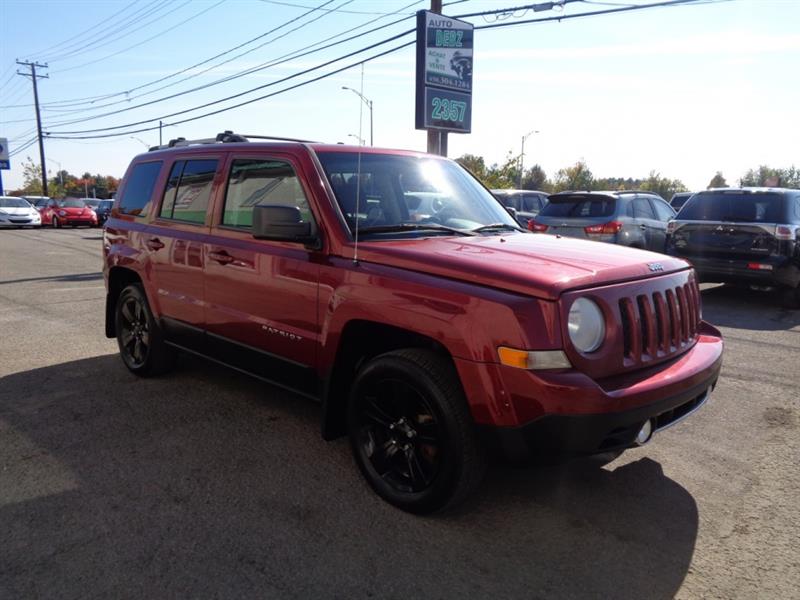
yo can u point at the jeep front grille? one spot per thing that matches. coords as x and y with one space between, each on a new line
659 323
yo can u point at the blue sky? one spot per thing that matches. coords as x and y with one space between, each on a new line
685 90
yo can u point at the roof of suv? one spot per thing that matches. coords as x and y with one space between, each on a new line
615 193
752 190
230 140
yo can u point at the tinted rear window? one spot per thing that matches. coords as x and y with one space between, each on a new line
579 206
740 207
139 188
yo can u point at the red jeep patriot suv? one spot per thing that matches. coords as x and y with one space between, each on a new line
398 291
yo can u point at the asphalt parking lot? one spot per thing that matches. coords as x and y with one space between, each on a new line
206 483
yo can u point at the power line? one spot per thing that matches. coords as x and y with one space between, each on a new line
280 60
81 35
115 32
128 31
92 99
240 94
78 134
191 90
151 38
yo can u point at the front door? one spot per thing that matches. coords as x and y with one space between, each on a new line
262 304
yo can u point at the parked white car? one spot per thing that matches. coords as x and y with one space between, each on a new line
18 212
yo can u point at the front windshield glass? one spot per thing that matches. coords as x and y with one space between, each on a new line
412 192
13 203
73 203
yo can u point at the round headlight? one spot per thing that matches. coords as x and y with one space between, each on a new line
586 325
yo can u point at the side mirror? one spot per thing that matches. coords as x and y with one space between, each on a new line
283 224
512 211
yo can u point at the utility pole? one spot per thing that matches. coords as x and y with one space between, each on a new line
159 133
34 77
522 155
437 140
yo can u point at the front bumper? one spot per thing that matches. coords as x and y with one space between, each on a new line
719 270
561 437
553 415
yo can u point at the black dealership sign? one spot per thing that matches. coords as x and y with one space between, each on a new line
444 73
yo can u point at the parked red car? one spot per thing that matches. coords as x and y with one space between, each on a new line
394 288
70 211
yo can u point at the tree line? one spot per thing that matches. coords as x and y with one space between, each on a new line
64 184
579 177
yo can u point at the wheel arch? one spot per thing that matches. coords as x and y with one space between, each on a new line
360 341
118 279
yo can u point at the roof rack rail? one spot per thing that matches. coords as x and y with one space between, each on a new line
226 137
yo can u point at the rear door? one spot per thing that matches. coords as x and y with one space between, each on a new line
735 225
174 242
645 219
262 295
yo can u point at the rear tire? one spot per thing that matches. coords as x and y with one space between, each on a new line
411 431
140 340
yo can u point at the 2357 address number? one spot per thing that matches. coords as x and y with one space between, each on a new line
448 110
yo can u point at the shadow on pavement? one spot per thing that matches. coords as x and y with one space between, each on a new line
743 308
76 277
205 483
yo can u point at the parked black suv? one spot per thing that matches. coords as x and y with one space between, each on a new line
679 199
635 219
742 235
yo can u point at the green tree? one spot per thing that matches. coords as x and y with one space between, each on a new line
717 181
31 178
576 177
662 186
535 179
769 176
503 176
474 164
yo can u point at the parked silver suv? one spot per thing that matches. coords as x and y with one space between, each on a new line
635 219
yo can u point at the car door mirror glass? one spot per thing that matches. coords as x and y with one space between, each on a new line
281 223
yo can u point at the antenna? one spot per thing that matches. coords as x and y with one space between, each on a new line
358 168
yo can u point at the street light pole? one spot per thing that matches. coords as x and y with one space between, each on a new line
359 138
368 102
522 155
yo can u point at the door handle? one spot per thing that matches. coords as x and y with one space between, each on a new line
642 226
154 244
222 257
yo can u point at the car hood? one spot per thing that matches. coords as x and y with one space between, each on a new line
73 210
533 264
18 211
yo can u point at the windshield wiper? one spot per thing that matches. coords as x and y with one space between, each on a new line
492 226
413 227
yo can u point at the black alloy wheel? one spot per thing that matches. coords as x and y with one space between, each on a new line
139 339
399 434
411 431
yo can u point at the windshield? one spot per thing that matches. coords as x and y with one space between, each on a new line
13 203
579 206
746 207
73 203
92 203
396 191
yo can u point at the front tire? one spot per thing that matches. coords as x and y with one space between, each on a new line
411 431
56 223
140 340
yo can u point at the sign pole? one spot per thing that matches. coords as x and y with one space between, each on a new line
434 137
2 193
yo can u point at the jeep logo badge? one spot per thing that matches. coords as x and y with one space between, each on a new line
655 267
